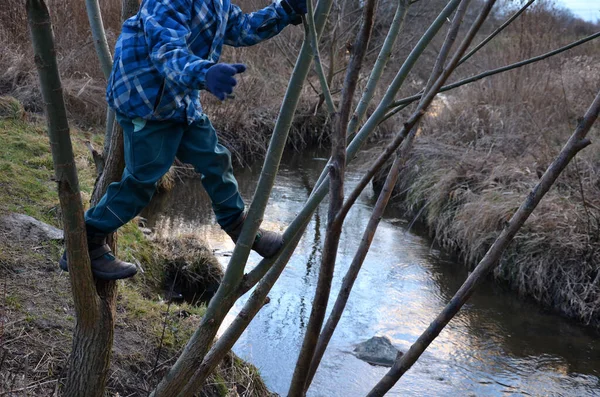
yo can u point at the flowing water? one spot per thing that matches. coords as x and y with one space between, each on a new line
497 345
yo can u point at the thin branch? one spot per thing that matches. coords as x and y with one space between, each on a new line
576 143
419 112
474 50
495 32
413 98
384 55
188 374
104 56
291 63
337 168
384 196
164 329
375 119
309 27
269 270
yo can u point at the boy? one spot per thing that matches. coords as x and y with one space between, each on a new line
165 55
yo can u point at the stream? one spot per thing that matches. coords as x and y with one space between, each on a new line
497 345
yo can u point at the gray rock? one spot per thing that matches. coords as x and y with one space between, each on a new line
25 228
145 230
377 351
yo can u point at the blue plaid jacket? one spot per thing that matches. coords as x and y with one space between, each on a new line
164 51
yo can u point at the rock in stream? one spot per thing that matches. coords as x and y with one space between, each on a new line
377 351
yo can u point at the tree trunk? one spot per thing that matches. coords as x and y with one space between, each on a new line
94 304
90 377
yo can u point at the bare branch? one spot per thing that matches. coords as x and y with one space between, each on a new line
419 112
309 27
496 32
191 369
363 249
337 168
402 103
269 270
576 143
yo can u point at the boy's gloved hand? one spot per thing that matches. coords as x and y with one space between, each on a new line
299 6
219 78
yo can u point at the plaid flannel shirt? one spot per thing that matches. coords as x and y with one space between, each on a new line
164 51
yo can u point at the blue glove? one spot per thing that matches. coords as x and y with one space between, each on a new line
298 6
219 78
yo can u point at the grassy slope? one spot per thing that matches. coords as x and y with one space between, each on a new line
37 318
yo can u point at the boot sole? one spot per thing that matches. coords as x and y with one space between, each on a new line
102 275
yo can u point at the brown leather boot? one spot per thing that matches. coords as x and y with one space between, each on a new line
266 243
104 264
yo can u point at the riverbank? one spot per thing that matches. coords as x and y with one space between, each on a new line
476 160
37 314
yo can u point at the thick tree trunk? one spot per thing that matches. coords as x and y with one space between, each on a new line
90 377
94 304
92 345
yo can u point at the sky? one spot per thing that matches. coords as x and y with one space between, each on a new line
585 9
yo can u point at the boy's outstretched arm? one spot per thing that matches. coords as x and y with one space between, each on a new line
249 29
167 31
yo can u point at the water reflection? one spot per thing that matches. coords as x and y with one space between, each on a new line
497 345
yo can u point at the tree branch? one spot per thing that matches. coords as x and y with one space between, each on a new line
268 270
337 167
187 376
309 30
382 201
382 59
576 143
496 32
413 98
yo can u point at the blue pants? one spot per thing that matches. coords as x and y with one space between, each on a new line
150 149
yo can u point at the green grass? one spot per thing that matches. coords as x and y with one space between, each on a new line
27 186
26 170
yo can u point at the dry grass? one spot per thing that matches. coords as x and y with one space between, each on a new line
477 159
190 267
244 124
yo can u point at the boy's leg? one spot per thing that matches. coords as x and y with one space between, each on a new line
149 149
200 147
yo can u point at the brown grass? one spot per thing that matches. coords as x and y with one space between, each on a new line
190 267
479 156
37 318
